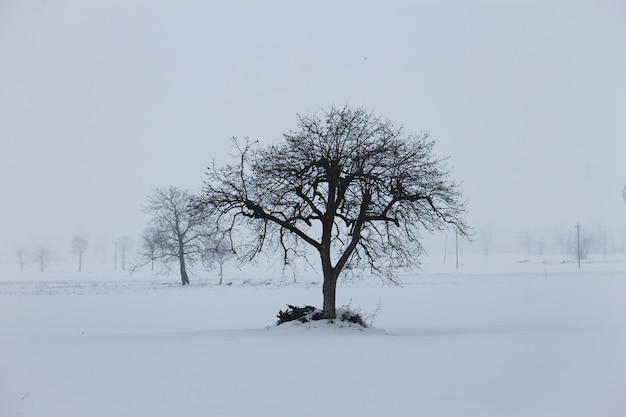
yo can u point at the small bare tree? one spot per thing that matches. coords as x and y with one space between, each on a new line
124 244
579 246
541 247
151 240
178 231
528 242
220 252
42 256
486 235
350 186
22 255
79 247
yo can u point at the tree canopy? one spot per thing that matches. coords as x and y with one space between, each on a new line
176 234
353 187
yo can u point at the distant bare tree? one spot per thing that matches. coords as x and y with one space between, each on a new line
528 243
541 247
22 255
79 247
220 253
486 235
42 256
624 193
563 240
124 244
151 241
584 242
350 187
177 229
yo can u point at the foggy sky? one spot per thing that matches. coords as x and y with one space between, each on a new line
103 101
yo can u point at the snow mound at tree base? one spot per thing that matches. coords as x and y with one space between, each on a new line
309 317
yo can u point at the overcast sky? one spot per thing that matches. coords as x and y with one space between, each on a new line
103 101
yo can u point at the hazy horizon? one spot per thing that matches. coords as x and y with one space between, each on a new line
102 102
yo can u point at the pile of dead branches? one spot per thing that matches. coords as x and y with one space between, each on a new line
309 313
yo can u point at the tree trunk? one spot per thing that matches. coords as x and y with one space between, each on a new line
329 290
330 276
183 271
80 261
221 274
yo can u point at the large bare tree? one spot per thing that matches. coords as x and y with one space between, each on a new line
350 185
178 231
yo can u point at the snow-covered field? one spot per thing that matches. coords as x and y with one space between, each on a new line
501 336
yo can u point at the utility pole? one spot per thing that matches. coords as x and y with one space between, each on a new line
578 226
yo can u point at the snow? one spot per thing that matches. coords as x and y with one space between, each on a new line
499 337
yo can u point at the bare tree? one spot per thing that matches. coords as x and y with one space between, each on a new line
221 252
624 192
79 247
22 255
151 241
486 235
180 231
124 244
528 242
351 186
580 245
42 256
540 247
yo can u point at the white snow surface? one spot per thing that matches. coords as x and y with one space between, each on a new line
498 337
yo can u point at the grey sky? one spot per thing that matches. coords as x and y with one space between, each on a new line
102 101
